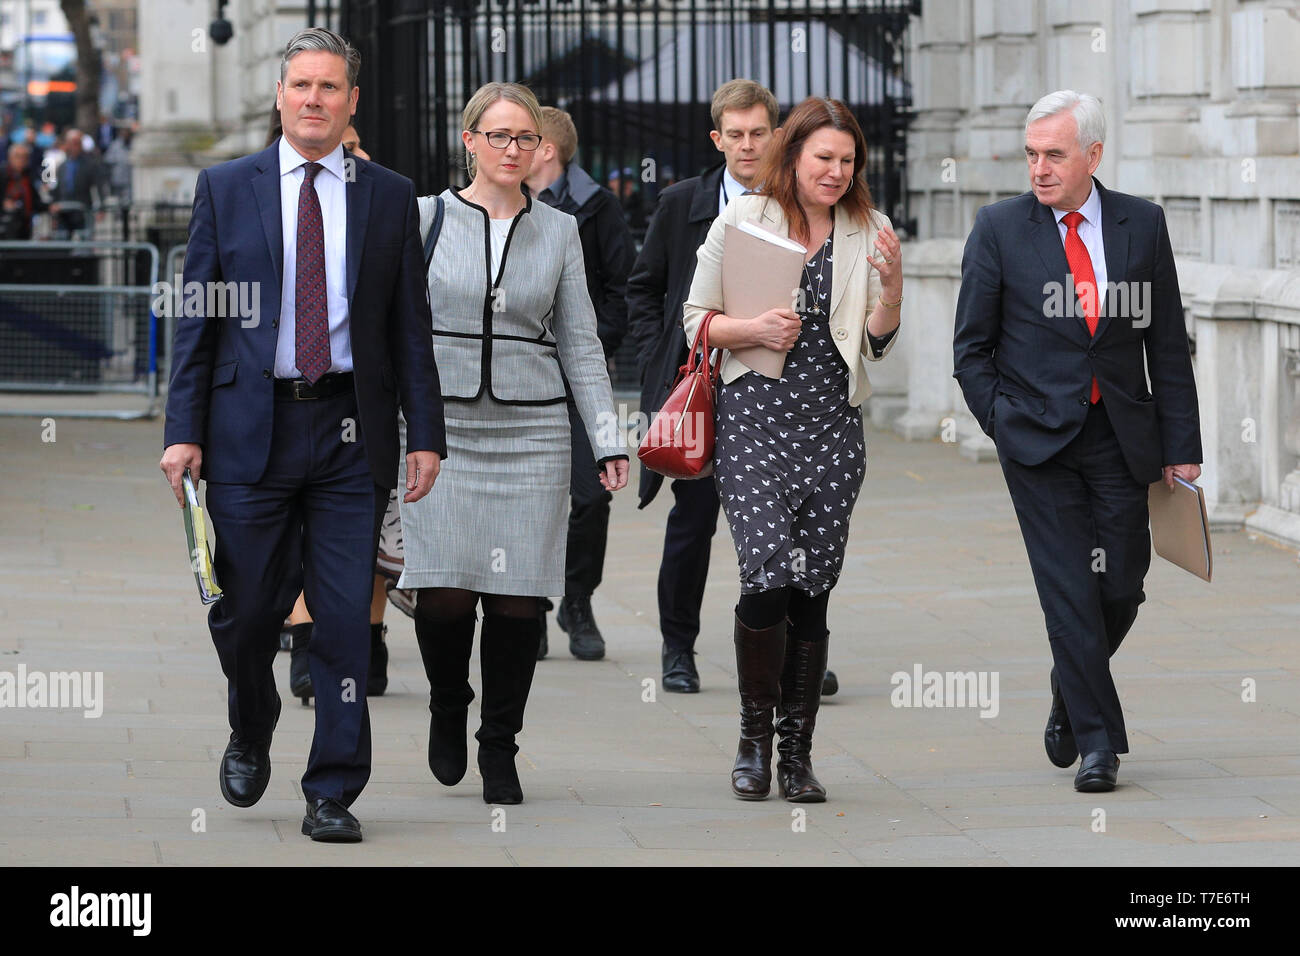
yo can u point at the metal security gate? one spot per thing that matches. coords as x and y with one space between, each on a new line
637 76
77 319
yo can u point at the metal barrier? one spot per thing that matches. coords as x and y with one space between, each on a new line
78 318
174 273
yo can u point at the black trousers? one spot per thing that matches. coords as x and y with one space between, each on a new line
311 524
584 562
1084 521
688 538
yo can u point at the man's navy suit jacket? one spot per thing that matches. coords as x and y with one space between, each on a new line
1026 370
221 390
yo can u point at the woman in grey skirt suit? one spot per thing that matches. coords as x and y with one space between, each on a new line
790 455
510 309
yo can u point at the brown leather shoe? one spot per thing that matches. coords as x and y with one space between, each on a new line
796 716
759 655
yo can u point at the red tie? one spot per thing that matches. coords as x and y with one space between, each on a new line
310 310
1085 283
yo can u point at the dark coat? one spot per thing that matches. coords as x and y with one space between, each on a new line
221 390
657 290
1026 371
607 249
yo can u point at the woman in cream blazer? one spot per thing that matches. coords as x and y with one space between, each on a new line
790 455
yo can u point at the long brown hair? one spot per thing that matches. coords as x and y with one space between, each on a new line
776 172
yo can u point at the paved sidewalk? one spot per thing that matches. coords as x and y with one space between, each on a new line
94 579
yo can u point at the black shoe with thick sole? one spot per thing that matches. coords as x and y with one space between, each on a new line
328 821
575 617
680 675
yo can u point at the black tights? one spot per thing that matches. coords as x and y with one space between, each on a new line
447 603
765 609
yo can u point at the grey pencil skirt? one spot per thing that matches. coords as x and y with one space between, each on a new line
496 520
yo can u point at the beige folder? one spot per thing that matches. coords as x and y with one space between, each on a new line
1180 529
761 270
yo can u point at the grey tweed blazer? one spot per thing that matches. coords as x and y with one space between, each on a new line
508 337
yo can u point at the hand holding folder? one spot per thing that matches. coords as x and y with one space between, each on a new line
761 270
202 543
1180 528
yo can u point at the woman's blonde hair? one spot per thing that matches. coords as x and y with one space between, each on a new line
485 96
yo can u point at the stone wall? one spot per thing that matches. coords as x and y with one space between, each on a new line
205 103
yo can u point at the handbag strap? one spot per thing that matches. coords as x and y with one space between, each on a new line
702 339
435 229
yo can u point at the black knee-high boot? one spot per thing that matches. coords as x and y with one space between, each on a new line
801 695
445 645
758 669
508 654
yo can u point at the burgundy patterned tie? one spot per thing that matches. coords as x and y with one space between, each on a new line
311 313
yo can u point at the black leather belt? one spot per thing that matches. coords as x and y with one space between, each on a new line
300 390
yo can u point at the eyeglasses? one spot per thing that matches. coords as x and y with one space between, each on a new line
499 140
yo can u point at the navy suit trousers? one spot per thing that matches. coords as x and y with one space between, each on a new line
311 524
1084 521
688 540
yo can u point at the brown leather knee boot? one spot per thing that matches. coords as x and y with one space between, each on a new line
801 697
759 656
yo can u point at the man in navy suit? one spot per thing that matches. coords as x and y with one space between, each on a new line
1068 299
291 412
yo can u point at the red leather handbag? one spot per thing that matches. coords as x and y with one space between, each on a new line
679 442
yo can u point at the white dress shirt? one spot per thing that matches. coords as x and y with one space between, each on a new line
1090 232
729 189
332 195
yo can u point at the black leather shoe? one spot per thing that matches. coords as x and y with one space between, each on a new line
585 640
680 675
300 663
328 821
246 767
377 682
1058 738
1097 772
830 684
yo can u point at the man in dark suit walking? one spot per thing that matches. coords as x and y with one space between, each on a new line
292 414
1052 349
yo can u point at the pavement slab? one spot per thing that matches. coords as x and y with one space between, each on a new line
615 771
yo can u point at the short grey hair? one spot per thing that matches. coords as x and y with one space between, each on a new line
1086 108
315 39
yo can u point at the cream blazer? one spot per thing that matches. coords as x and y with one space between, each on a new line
855 285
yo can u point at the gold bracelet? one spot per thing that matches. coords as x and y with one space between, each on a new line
890 305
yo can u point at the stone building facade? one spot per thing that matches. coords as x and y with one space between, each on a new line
1203 116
